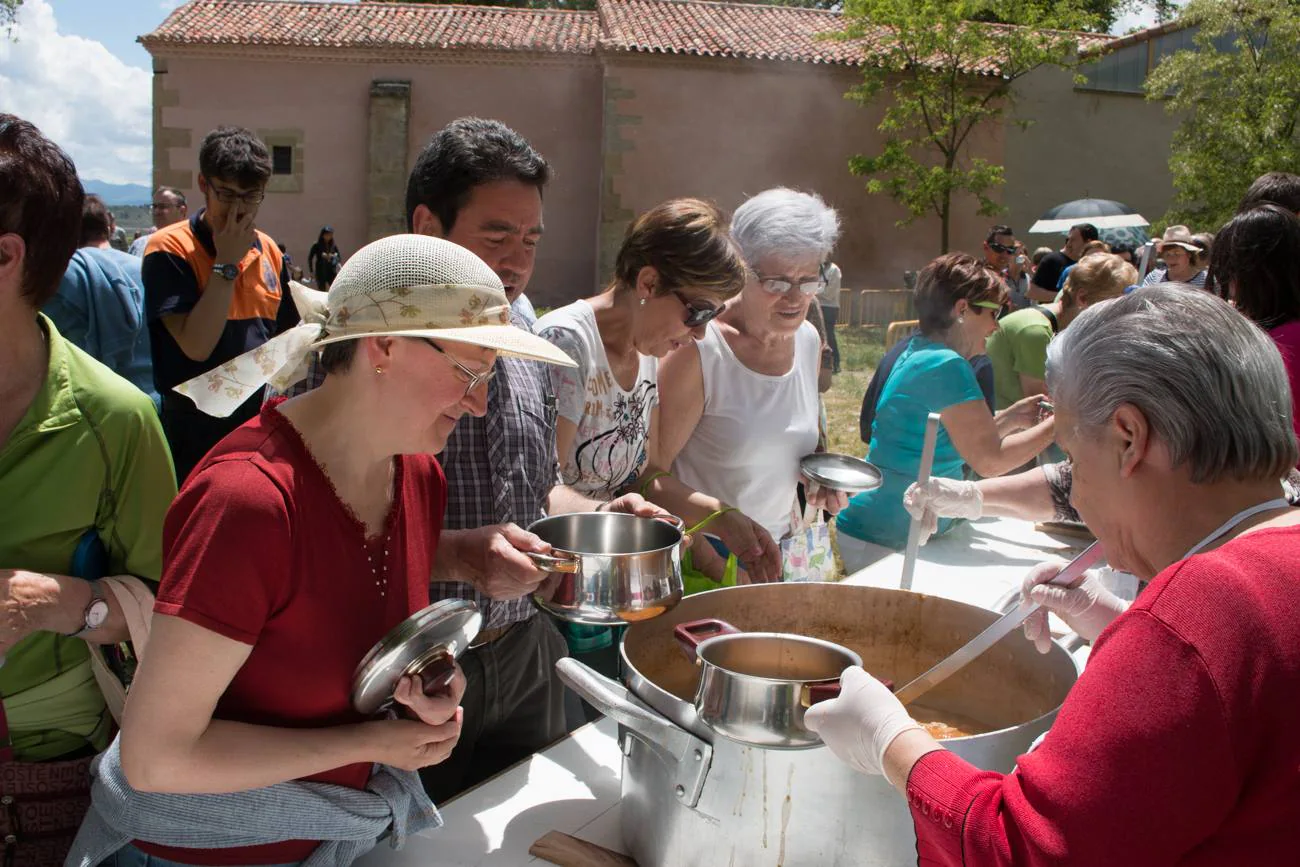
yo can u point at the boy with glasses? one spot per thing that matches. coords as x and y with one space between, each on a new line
215 287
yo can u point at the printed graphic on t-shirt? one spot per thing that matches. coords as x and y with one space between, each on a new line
610 446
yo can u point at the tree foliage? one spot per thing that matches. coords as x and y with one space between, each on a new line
9 14
927 55
1238 94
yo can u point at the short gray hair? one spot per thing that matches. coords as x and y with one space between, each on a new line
1211 384
784 222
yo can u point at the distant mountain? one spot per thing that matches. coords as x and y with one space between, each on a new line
119 194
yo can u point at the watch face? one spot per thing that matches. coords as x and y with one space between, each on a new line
96 614
230 272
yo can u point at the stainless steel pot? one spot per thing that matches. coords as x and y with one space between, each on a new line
611 568
693 798
755 686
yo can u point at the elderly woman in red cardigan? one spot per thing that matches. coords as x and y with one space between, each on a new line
1178 743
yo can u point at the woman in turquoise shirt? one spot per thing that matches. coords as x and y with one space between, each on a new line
957 300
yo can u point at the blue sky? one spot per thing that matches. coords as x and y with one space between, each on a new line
99 107
115 23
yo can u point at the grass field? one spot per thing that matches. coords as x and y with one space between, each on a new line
861 349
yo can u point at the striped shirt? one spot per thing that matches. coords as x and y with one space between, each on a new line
1161 275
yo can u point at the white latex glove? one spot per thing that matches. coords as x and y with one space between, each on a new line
860 723
942 498
1087 607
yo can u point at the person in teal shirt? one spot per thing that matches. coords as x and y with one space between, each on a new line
957 300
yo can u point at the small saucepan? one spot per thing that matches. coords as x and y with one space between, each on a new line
612 568
755 686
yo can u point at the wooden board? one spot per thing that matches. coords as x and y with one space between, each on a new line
569 851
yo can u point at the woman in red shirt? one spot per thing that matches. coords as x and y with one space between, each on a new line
1177 745
306 535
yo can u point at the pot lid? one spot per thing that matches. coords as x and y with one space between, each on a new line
445 628
841 472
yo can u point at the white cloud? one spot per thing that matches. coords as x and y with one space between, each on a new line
80 94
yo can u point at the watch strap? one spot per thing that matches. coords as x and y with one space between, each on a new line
96 595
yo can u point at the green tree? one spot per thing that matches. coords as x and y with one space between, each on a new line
1238 93
946 77
9 14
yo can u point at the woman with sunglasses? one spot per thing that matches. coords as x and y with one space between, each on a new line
957 300
675 270
740 406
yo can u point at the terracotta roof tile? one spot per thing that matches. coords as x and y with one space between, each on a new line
376 25
711 29
701 28
716 29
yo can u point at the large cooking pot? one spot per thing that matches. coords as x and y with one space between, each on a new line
611 568
691 797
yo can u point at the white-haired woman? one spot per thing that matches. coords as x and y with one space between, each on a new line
297 543
738 408
1177 745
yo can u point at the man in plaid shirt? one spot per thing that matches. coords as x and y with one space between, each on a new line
479 184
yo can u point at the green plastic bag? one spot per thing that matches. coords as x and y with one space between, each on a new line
695 581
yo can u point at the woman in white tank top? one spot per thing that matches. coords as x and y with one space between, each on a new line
739 408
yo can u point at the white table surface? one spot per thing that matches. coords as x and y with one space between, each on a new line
573 786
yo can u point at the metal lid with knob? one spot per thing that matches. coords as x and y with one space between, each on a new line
425 645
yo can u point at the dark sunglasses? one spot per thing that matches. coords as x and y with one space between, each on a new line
1001 248
698 312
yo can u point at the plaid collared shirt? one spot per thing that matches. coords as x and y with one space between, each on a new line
500 468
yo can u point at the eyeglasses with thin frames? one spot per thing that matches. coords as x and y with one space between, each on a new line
782 285
698 312
229 197
471 378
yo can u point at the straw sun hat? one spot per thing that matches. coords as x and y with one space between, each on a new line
403 285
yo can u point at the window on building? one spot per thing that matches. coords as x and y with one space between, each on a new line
1125 70
1122 71
281 160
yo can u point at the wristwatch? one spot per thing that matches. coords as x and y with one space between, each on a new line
96 611
229 272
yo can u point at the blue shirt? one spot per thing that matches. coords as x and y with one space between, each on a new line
100 308
928 377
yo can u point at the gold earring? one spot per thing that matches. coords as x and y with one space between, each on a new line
379 370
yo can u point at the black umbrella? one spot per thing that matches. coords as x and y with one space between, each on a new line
1102 213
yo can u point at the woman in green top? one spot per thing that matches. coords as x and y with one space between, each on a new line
1018 349
85 480
958 300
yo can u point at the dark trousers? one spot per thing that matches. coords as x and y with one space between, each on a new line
513 705
191 432
832 315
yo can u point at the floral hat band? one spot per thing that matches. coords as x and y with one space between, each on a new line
412 285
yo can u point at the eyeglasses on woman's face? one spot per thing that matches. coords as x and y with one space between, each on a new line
472 379
781 284
998 309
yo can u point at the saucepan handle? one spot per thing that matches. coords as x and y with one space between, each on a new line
827 690
819 692
691 633
551 563
673 521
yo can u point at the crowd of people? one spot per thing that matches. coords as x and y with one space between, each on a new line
347 454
